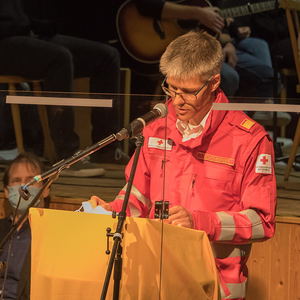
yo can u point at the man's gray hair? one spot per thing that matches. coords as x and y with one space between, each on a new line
192 55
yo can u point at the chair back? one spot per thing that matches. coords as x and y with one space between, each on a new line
292 10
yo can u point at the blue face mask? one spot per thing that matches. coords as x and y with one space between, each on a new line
13 197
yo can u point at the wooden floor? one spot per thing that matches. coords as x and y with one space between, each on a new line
72 191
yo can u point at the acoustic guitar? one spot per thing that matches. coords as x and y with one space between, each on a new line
145 38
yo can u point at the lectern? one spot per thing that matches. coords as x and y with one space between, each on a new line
160 261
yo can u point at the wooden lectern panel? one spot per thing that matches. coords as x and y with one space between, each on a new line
69 260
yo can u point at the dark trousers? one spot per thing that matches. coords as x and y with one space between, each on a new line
57 60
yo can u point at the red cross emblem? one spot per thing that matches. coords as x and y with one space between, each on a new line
264 160
160 142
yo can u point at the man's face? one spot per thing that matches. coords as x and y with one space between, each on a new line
193 98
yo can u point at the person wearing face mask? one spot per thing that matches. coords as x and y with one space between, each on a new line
216 168
15 255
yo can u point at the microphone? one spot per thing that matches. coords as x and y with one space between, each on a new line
24 193
23 190
136 126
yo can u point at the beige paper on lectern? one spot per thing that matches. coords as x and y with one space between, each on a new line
69 260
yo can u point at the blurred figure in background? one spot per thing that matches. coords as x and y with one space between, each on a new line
15 257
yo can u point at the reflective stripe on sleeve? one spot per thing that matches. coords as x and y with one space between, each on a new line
237 290
134 212
257 227
227 226
135 192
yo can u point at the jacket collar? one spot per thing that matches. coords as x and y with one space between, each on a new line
214 119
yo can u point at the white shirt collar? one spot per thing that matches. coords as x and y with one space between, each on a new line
190 131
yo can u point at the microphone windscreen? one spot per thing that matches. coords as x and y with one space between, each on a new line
162 108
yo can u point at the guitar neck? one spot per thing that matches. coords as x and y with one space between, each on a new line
248 9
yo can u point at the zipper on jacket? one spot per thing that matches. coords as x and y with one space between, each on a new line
163 163
193 184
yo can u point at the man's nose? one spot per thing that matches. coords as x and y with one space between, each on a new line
178 100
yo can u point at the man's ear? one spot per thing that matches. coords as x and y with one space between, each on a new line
215 82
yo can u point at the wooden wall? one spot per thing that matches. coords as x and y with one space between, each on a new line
274 265
71 204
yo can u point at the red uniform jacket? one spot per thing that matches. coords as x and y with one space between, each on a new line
225 178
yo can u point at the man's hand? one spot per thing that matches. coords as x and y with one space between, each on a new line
230 54
207 16
210 17
96 201
180 216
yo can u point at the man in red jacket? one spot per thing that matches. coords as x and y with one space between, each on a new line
217 166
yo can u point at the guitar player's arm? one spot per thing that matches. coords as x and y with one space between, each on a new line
160 9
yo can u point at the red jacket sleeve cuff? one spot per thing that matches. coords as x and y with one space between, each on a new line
203 220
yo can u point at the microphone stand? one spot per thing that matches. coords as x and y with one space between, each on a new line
116 254
54 172
66 163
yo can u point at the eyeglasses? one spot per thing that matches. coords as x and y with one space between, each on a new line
187 97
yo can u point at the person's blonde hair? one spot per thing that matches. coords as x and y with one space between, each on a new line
192 55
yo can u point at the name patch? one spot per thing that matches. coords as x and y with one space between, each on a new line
159 143
214 158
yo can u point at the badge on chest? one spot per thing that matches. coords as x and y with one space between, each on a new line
159 143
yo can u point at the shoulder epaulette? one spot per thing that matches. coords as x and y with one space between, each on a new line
247 124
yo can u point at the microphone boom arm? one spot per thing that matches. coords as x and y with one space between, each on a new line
66 163
134 129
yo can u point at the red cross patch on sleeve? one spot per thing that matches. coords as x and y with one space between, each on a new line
263 164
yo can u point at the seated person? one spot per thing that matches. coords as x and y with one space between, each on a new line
206 17
33 48
256 60
249 56
247 61
15 255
